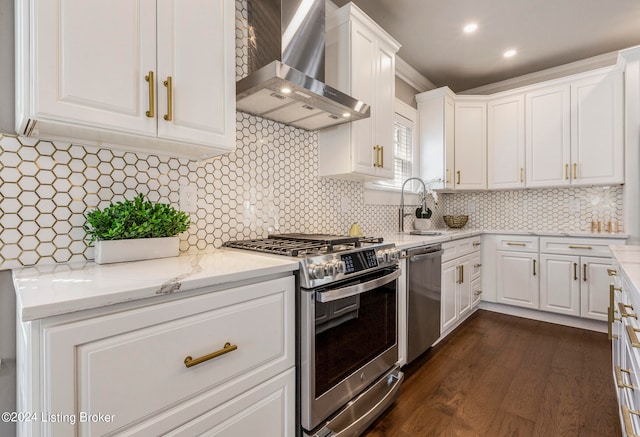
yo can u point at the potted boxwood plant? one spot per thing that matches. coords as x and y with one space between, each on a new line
134 230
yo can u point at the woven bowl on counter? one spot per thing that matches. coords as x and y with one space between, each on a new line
455 221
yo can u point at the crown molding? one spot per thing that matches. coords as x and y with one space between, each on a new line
411 76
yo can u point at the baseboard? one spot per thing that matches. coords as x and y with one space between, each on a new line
543 316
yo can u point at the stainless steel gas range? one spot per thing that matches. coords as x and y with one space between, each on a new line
347 318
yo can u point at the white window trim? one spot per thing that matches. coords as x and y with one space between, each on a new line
380 195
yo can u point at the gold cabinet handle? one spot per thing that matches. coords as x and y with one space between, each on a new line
458 173
571 246
382 156
619 380
510 243
477 292
566 171
534 267
228 347
575 170
477 265
633 337
459 268
612 272
152 95
448 180
169 84
521 174
626 418
476 243
575 271
623 310
375 163
462 274
584 272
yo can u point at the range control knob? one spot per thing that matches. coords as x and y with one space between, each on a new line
335 267
383 256
329 268
316 271
394 255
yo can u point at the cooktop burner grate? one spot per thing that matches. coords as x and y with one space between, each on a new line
300 245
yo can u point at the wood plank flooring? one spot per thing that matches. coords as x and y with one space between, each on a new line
500 375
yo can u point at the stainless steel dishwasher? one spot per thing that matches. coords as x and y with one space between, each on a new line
423 298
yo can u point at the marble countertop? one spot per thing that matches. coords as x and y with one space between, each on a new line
629 259
63 288
404 240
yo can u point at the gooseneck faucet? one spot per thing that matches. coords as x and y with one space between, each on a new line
401 214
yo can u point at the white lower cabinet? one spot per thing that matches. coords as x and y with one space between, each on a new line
517 278
458 278
220 363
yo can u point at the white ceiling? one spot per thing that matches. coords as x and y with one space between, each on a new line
546 33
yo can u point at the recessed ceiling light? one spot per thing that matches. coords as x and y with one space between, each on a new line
470 28
509 53
346 115
285 90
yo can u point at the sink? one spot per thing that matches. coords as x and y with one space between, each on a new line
426 233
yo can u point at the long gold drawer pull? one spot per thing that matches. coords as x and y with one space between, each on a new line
575 170
619 381
477 292
575 271
626 418
631 332
169 84
612 272
571 246
511 243
228 347
623 310
152 95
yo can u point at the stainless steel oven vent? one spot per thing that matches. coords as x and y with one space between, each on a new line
286 53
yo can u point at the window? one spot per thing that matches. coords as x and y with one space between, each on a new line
405 156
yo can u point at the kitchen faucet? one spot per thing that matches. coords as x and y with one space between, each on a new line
401 214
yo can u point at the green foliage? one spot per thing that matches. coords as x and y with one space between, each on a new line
137 218
423 214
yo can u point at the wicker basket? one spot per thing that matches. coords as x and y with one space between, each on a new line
455 221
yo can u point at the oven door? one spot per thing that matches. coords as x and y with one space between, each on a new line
348 340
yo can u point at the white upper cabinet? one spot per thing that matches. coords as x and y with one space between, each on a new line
436 114
596 129
505 142
470 152
151 75
360 61
548 136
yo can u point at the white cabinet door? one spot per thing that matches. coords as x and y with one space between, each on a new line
560 284
505 142
90 61
596 130
196 53
383 109
464 286
517 279
450 279
595 282
548 136
470 145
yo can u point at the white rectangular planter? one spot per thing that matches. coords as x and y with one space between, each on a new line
114 251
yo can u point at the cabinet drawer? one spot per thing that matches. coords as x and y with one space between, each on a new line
457 248
517 243
132 364
578 246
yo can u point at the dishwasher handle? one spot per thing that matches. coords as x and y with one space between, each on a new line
415 258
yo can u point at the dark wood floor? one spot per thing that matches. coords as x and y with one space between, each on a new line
499 375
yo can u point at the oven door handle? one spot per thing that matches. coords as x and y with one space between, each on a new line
352 290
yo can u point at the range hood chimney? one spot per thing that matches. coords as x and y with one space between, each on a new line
286 46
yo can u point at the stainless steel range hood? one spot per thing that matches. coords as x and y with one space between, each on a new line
285 55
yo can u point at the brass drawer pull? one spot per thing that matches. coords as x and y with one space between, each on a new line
458 172
566 171
575 271
612 272
631 332
571 246
619 382
152 95
623 310
477 292
228 347
521 174
476 243
511 243
477 265
626 418
575 170
169 84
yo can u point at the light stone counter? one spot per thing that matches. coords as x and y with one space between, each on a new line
63 288
629 259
